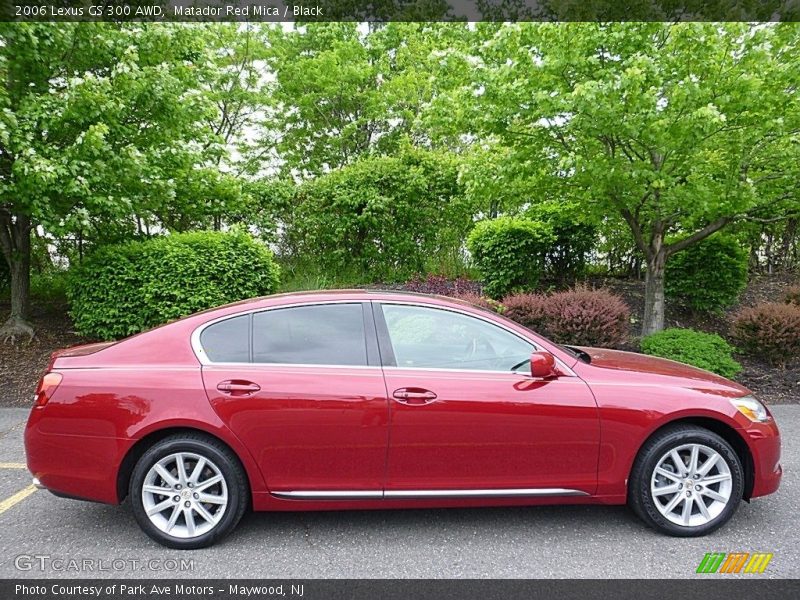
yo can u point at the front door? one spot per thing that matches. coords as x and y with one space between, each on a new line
302 388
467 419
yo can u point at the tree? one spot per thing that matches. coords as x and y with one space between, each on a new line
96 119
677 129
342 91
235 81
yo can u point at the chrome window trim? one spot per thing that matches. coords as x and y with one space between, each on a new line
279 366
197 348
567 371
201 355
426 494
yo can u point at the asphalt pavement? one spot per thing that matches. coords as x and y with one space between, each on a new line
45 536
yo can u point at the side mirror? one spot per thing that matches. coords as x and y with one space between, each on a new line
543 364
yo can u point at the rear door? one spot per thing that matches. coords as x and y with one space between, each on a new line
302 387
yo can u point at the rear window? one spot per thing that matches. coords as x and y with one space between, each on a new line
228 340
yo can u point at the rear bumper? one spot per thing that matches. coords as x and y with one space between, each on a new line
764 441
75 466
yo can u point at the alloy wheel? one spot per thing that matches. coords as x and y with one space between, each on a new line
691 485
185 495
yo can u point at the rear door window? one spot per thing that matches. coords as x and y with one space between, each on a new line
323 334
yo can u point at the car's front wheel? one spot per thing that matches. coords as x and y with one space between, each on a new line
686 481
188 491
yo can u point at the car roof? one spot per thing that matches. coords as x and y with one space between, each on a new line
337 294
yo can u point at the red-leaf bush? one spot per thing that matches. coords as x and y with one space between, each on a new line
530 310
770 330
441 285
580 316
480 301
792 295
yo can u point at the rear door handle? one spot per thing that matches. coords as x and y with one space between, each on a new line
414 396
238 387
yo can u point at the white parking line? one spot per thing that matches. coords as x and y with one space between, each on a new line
12 465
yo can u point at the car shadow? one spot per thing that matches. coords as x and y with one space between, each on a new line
431 522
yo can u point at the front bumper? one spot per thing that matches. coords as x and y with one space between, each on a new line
764 441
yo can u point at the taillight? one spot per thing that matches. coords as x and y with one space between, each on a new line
47 386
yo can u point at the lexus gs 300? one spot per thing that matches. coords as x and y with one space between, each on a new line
377 400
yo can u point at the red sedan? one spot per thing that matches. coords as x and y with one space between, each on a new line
356 399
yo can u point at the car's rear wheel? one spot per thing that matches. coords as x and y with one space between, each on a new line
686 481
188 491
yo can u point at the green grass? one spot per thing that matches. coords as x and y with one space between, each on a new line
298 277
304 275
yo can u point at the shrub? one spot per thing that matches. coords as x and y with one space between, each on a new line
792 295
581 316
481 301
381 217
574 239
709 275
438 284
507 252
126 288
460 288
49 288
703 350
770 330
530 310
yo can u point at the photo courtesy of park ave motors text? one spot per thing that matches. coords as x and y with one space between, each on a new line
416 293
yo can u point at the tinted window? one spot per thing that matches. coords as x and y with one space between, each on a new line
327 334
228 340
433 338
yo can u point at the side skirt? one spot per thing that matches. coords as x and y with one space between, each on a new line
426 494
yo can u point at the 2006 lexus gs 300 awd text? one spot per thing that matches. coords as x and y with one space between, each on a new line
356 399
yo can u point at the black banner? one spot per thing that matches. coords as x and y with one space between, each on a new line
710 588
399 10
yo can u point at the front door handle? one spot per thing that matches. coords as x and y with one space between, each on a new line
238 387
414 396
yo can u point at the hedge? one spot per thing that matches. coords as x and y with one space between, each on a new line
508 252
126 288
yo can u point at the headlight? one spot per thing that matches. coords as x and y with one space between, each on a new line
751 408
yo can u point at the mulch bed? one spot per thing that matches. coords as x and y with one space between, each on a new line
770 384
22 364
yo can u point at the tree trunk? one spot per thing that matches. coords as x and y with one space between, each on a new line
16 245
654 303
21 285
769 254
656 252
787 240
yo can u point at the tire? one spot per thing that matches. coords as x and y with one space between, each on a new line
187 522
651 494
